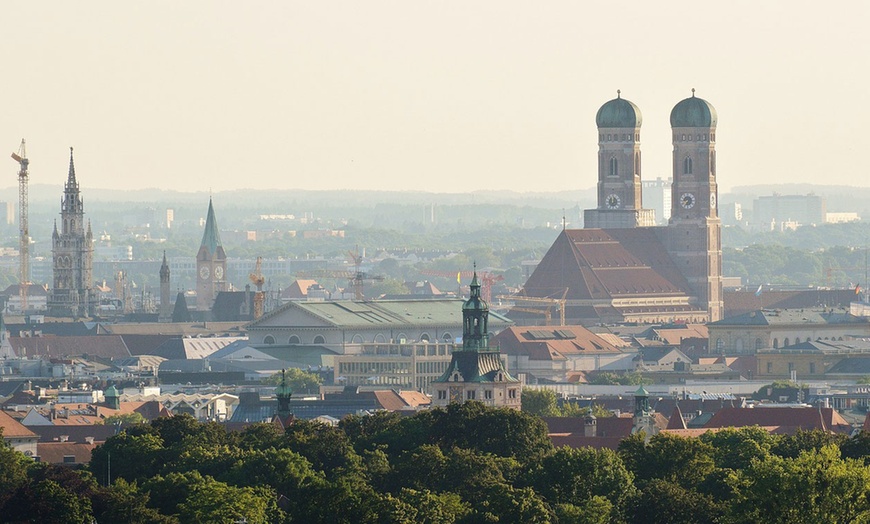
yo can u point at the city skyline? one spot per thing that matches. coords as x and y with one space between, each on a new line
423 96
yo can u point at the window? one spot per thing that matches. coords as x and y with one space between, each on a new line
613 166
769 368
785 343
687 166
512 393
470 394
447 337
424 337
293 340
812 368
268 339
758 343
442 394
319 339
356 339
720 344
713 163
775 343
487 394
637 164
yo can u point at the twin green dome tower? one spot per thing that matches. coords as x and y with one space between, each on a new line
692 236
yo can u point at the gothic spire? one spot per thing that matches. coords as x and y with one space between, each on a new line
211 238
71 178
164 268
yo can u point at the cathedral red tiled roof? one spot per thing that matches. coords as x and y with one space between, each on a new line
607 263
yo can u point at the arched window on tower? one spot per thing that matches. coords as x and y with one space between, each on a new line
713 163
613 166
687 166
637 164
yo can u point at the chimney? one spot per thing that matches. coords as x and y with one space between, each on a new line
89 440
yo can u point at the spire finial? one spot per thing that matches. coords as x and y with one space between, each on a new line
693 92
618 93
71 177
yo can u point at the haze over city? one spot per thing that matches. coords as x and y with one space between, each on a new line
433 96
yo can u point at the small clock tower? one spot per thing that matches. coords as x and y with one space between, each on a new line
694 229
619 163
476 371
211 264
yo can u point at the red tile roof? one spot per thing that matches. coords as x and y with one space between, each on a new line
551 343
742 302
789 419
107 346
55 452
12 428
676 421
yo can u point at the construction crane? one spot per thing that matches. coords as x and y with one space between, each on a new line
486 278
23 226
546 303
258 280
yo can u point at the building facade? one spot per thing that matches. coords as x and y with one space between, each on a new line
72 250
476 371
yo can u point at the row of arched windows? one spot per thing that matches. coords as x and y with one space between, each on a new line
356 339
626 137
702 137
787 341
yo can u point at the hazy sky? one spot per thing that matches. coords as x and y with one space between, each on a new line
443 96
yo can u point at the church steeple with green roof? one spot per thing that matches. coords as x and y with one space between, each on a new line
475 315
476 371
211 263
211 237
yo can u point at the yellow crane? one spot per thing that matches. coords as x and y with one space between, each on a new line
258 280
23 226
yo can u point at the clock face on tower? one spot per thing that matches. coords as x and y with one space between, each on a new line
203 272
612 201
687 200
219 272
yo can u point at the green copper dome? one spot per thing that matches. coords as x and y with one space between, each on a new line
619 112
693 112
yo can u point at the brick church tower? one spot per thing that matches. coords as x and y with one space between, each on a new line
619 168
694 230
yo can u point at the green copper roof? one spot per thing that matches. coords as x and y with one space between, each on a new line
211 238
111 391
283 390
476 366
641 392
693 112
619 112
